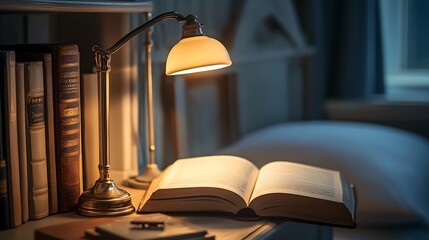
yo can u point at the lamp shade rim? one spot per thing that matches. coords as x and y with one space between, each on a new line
200 68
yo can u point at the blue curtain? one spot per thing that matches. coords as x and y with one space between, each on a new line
348 63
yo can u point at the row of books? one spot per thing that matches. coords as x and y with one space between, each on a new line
40 131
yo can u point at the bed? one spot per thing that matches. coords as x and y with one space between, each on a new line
387 165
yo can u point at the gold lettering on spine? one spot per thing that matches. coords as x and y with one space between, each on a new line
73 100
71 112
71 154
70 121
71 143
71 83
69 74
35 108
70 132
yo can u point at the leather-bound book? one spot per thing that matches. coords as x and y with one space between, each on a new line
38 197
66 82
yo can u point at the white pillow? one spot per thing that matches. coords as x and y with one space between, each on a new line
389 167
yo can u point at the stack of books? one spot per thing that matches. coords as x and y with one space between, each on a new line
149 226
40 131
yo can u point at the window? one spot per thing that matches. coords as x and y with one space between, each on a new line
406 47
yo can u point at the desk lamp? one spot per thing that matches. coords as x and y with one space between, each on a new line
195 52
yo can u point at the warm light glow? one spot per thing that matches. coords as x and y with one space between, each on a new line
196 54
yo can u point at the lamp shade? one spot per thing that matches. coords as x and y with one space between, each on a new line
196 54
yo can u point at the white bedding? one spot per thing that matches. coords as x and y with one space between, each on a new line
389 167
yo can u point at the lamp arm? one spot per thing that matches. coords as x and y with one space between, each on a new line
168 15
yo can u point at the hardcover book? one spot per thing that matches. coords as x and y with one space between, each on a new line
234 185
66 82
172 228
69 230
90 145
37 176
4 200
10 131
22 138
110 228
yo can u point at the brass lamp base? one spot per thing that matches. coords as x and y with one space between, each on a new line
105 199
143 181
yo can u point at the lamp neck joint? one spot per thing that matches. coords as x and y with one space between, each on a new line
192 27
102 59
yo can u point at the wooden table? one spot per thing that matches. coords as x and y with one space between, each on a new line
221 226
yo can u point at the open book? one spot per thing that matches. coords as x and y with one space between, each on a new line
234 185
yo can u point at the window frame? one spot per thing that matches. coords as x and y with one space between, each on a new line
399 78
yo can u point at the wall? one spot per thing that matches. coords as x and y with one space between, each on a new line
268 51
406 115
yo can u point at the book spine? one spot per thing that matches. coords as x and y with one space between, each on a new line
90 147
50 134
14 181
22 144
4 199
4 205
38 197
67 125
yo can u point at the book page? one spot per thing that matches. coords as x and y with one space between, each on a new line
294 178
152 187
228 172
